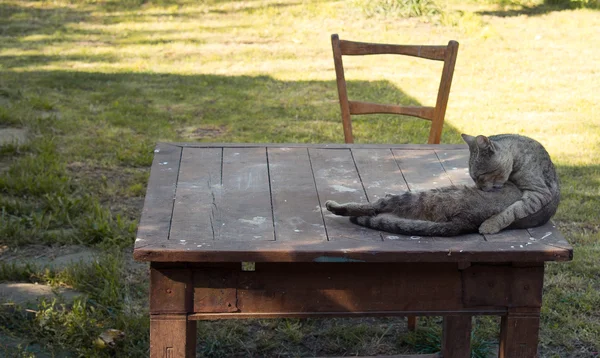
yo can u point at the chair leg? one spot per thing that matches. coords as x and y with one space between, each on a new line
456 337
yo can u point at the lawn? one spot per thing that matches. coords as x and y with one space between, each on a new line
97 83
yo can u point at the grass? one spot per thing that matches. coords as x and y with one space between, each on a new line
97 83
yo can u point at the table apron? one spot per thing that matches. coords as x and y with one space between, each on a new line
333 289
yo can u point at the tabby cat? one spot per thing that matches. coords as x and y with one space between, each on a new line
516 187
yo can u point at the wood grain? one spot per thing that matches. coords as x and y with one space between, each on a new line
356 287
321 145
215 290
437 123
296 207
337 179
341 86
456 336
422 170
358 107
456 166
353 48
519 331
158 205
196 215
380 175
245 207
459 249
502 285
171 290
172 336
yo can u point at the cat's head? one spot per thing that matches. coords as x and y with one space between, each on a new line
488 165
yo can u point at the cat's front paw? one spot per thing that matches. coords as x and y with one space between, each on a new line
489 227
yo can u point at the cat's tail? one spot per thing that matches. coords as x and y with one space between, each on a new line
397 225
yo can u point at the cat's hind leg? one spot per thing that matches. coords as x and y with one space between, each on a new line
394 224
351 209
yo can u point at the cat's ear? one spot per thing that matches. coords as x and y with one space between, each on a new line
469 139
484 143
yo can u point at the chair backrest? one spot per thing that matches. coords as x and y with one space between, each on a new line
434 114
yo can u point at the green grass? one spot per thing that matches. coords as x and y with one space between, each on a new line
98 83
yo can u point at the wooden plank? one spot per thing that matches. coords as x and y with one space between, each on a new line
514 239
380 175
355 287
195 214
158 204
358 107
341 250
296 208
503 285
171 290
336 179
421 169
549 235
352 48
238 315
245 205
215 290
379 172
456 165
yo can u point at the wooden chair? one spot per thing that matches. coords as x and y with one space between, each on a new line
434 114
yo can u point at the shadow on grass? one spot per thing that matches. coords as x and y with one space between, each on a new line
29 20
244 108
546 7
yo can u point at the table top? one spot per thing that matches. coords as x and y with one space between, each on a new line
265 203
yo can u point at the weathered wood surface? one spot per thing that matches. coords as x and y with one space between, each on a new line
172 336
337 179
456 336
437 123
321 145
266 204
158 206
358 107
296 208
195 213
354 48
519 331
360 287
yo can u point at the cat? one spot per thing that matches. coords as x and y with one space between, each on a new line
516 186
524 162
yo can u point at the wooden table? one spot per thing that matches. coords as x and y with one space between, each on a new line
239 231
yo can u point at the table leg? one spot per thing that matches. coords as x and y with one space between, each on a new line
456 337
519 333
172 336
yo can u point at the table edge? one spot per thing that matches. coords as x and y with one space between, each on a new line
317 145
317 251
